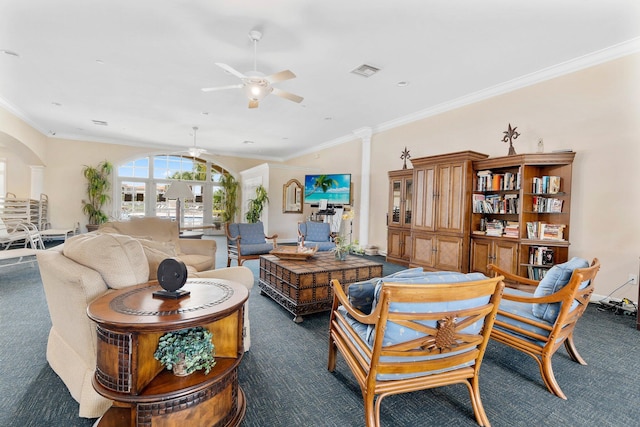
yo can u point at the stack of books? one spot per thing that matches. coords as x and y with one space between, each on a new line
512 229
495 228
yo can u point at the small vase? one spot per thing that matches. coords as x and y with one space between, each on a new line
340 255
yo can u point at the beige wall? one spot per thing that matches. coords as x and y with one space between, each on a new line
595 112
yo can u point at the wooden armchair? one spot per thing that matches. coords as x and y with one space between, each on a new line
421 333
538 324
247 241
317 234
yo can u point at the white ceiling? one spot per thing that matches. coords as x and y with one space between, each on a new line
140 64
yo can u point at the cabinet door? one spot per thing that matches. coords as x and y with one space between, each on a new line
423 206
406 245
423 250
394 243
451 198
407 201
448 253
395 202
480 255
505 255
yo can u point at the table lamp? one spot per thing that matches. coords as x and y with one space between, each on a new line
179 190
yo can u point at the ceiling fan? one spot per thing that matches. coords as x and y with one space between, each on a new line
195 151
255 84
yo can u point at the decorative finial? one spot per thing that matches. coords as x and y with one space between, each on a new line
509 136
404 156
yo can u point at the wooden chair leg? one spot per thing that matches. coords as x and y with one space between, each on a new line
476 402
331 365
570 346
549 379
371 410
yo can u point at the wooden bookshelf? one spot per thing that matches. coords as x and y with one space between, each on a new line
504 193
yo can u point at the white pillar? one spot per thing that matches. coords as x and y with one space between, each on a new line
365 183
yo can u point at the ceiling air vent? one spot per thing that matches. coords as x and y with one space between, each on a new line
365 70
100 123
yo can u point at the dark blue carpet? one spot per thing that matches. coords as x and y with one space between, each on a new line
286 382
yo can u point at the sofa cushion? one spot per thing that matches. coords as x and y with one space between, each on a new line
119 259
256 249
556 278
251 234
317 231
156 252
361 293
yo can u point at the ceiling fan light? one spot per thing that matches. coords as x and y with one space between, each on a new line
195 152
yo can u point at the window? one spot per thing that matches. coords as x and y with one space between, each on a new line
143 184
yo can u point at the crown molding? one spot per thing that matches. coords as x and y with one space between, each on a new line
611 53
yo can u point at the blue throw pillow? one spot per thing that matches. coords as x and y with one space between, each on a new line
556 278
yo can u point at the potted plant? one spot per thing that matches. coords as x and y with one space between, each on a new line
229 197
98 186
343 247
186 351
256 205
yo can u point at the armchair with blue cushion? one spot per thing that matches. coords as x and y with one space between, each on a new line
538 323
247 241
412 331
318 234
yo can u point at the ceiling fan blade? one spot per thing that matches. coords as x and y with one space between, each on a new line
253 103
231 70
287 95
281 76
212 89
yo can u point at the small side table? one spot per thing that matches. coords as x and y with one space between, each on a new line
129 324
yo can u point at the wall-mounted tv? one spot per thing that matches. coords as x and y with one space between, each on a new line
335 188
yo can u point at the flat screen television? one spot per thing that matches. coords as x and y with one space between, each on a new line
335 188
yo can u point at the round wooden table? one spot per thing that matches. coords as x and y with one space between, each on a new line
129 324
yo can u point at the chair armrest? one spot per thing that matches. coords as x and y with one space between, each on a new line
338 294
512 277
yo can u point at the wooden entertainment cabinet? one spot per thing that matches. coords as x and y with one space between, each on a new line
443 229
129 324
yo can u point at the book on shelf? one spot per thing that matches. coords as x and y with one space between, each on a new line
512 229
541 255
551 231
494 228
554 184
536 273
548 184
546 204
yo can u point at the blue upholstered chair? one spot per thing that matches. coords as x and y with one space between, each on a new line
414 330
247 241
318 234
539 323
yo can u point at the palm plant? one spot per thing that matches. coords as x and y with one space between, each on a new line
98 186
230 197
256 205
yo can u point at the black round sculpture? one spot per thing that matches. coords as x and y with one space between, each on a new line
172 275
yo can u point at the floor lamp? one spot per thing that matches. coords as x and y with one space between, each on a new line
179 190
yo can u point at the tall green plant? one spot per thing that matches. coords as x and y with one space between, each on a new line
256 205
98 186
229 198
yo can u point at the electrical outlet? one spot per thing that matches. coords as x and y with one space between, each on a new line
633 279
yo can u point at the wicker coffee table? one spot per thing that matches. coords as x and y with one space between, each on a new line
304 286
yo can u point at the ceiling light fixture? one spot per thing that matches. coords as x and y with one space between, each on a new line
195 151
402 83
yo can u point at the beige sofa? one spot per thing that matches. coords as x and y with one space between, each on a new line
77 272
195 253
